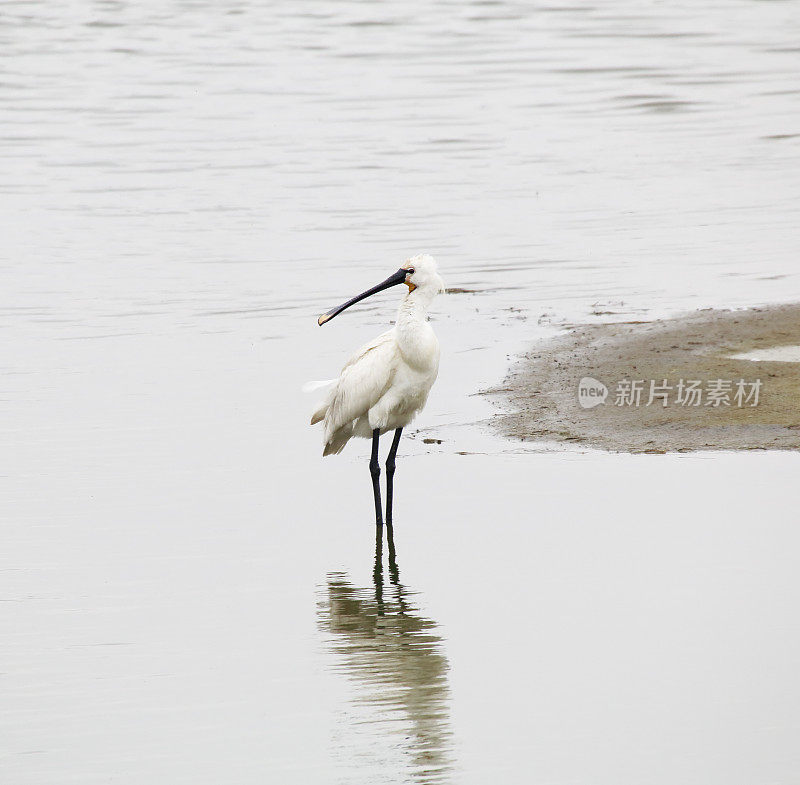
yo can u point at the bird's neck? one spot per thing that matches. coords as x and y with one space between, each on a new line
414 307
415 338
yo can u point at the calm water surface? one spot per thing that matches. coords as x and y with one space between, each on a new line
190 594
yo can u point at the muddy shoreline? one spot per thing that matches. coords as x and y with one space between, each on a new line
671 385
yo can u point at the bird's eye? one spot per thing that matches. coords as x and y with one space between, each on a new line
411 271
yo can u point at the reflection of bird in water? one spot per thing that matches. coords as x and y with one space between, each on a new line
386 646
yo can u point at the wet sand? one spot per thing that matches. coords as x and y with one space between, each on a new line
540 394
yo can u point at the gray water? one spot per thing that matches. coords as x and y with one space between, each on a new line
189 591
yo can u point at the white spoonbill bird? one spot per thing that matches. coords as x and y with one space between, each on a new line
387 381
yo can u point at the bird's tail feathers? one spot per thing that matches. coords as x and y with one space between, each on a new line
309 387
337 440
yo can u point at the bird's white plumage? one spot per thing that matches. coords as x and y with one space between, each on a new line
387 381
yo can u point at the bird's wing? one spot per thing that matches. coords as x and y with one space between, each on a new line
364 379
376 343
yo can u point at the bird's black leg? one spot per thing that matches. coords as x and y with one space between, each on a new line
390 478
375 471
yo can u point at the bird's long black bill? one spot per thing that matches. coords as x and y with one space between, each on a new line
392 280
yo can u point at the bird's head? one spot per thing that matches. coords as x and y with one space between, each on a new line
419 273
423 274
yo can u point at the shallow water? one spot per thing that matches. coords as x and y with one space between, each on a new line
189 590
780 354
